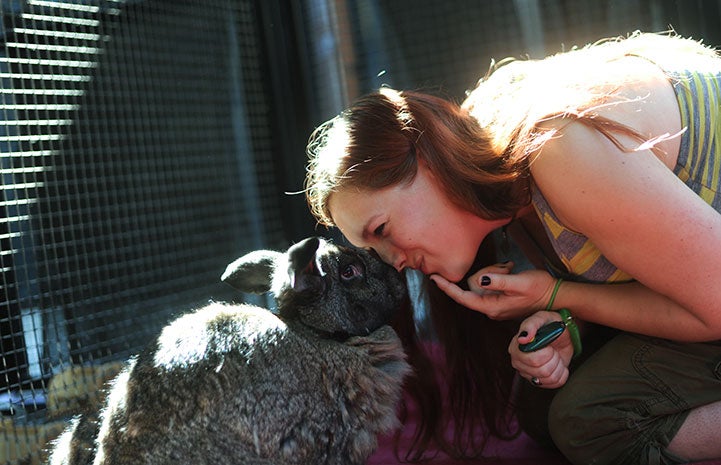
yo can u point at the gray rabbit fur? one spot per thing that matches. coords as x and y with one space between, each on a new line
312 382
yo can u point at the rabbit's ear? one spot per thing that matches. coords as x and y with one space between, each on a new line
252 272
303 272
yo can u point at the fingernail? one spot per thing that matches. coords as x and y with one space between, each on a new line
485 280
523 334
505 262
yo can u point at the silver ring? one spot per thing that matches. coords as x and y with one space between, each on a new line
535 381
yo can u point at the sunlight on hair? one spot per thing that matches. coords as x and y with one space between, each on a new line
330 142
327 149
403 113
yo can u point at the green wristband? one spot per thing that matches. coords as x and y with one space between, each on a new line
567 318
572 331
553 294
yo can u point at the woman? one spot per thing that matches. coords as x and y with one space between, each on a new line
602 163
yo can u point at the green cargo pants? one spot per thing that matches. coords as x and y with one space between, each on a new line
627 401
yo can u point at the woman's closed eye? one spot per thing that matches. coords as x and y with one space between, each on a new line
378 232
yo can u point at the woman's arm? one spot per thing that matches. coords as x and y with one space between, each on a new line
646 222
636 308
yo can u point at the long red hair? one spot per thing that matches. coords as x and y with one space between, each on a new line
378 142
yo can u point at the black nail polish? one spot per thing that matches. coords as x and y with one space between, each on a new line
523 334
485 281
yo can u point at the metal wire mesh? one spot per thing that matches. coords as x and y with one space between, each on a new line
135 165
445 47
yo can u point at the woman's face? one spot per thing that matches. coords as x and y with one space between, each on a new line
413 225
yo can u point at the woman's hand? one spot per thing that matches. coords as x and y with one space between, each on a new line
501 295
546 367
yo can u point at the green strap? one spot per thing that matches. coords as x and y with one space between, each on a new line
572 331
568 320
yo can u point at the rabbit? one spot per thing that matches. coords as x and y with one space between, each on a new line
313 381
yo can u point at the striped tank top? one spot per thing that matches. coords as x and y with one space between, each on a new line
699 167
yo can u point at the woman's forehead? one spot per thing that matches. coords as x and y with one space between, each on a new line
351 211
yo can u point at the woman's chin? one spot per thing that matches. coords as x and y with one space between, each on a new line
452 277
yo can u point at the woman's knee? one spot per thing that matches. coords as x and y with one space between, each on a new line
623 405
587 430
594 433
595 418
566 424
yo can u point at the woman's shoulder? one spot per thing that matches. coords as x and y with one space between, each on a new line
578 157
670 51
643 100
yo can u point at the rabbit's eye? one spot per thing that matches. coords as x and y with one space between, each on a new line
351 271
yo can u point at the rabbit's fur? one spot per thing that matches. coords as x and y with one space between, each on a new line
313 383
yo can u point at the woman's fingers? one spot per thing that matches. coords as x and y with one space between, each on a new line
492 303
470 299
546 367
478 282
501 295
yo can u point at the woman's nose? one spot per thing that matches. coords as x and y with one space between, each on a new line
393 256
399 265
